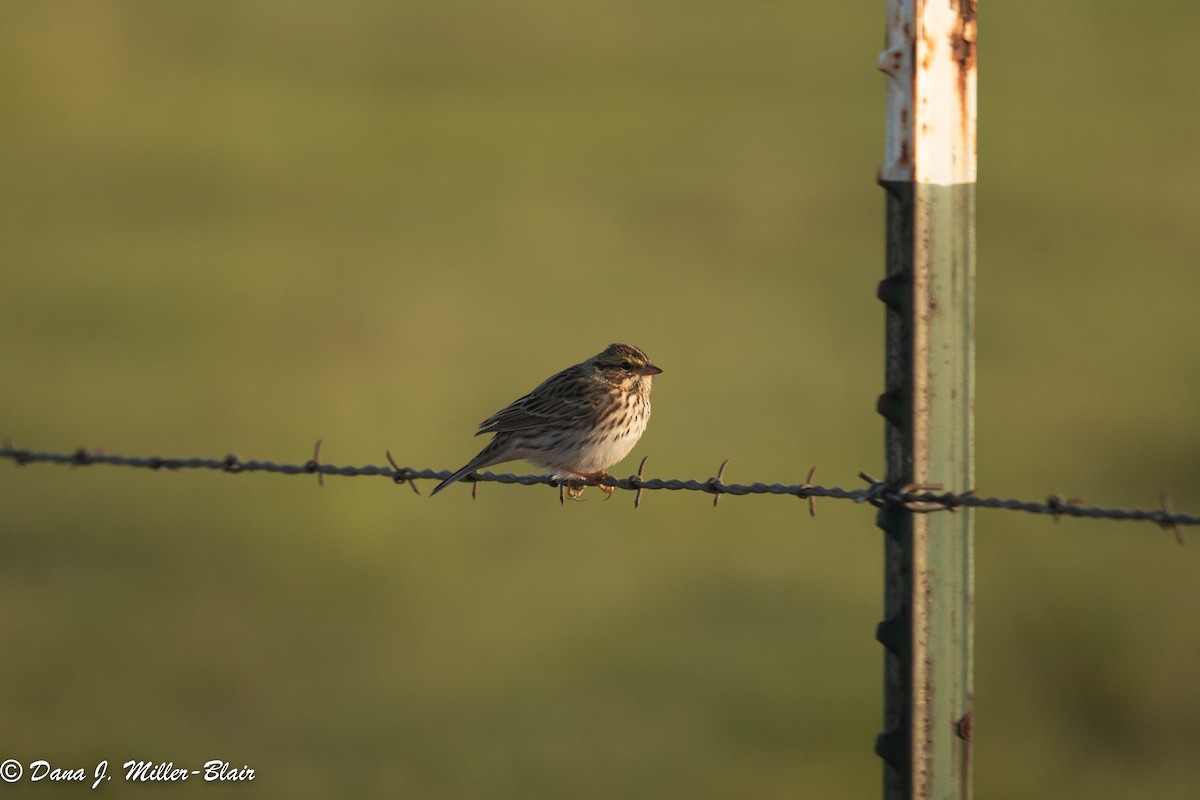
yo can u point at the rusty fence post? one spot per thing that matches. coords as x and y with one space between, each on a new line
928 404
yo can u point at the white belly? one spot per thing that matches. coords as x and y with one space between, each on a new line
599 450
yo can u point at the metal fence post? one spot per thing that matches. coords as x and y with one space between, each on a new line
929 176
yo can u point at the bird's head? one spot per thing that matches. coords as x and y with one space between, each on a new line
624 365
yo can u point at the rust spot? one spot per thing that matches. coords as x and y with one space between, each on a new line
962 40
923 782
929 48
890 62
963 727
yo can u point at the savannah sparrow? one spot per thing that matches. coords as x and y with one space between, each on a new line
577 423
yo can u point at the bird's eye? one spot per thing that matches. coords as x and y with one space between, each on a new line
625 365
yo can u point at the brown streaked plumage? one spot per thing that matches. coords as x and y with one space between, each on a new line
578 422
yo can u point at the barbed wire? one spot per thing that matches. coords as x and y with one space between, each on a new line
915 497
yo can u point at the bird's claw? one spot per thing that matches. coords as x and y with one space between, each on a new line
608 490
572 488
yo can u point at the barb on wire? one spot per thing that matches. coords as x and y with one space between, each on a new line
808 484
716 482
920 498
637 498
314 464
1168 520
400 474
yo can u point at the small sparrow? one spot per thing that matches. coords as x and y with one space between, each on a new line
578 422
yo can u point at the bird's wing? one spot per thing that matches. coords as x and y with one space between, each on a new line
560 399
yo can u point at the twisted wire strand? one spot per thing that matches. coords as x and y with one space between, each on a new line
877 493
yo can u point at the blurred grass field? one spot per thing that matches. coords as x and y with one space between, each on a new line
238 227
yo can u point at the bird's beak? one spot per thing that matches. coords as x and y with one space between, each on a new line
649 370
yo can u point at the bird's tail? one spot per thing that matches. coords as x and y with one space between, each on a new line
478 462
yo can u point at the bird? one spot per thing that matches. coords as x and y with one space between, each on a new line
578 422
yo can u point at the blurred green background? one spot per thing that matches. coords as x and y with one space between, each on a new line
241 226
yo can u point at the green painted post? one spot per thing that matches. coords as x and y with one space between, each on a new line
929 290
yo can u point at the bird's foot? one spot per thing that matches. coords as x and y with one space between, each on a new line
573 490
608 490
